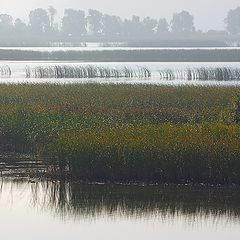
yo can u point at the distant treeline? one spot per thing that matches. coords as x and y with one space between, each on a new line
161 55
97 25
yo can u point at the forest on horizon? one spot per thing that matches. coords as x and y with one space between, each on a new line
78 25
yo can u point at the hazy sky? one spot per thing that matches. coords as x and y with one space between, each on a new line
208 14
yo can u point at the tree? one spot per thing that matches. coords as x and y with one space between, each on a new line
74 22
20 27
149 25
233 21
136 26
95 20
182 23
52 12
162 26
6 23
133 27
112 25
39 21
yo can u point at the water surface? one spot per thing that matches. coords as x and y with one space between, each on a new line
19 75
46 210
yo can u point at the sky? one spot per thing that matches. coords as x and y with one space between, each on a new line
209 14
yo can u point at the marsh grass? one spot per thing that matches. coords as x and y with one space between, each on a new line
237 110
124 132
175 154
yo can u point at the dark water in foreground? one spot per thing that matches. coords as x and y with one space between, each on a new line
46 210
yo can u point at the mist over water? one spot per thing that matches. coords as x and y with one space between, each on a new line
139 95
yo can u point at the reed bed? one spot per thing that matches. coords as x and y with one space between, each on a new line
146 152
202 74
86 71
125 132
5 71
93 71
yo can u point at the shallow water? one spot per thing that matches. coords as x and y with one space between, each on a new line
44 210
18 72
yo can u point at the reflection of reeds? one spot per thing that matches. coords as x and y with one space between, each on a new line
88 71
202 74
91 201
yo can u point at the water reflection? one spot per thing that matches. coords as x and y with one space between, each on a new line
47 210
79 201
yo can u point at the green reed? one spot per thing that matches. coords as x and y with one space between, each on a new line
125 132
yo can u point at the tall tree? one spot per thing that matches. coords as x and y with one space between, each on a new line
95 21
136 25
162 26
52 12
112 25
233 21
149 25
74 22
182 22
6 23
39 21
20 27
133 27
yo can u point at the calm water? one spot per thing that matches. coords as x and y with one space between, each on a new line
18 72
57 210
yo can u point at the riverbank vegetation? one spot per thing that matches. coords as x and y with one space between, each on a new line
121 55
125 132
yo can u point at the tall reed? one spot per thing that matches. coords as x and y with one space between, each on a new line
5 71
86 71
202 74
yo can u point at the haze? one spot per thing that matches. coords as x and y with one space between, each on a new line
209 14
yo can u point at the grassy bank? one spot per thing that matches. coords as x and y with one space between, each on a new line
125 132
135 55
